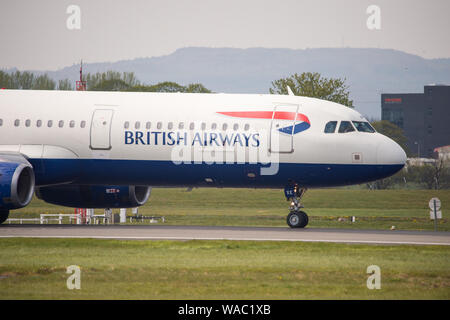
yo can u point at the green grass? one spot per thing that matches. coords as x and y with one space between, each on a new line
36 268
111 269
374 209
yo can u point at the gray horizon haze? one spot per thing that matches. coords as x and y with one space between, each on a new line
36 35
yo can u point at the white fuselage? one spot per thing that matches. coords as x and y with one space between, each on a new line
171 139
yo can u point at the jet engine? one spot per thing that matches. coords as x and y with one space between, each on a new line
16 184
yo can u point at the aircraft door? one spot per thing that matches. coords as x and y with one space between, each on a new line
101 129
282 129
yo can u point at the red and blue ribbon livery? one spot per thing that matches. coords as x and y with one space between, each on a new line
301 121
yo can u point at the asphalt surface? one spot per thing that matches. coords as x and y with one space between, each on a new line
153 232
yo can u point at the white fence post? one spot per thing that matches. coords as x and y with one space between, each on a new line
123 215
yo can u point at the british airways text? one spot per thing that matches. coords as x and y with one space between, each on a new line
202 139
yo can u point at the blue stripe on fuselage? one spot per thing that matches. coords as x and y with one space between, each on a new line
166 173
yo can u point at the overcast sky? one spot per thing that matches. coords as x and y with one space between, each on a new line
35 36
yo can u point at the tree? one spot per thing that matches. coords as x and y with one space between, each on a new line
24 80
65 85
100 81
444 179
432 176
168 86
392 131
197 88
313 85
43 82
110 85
15 80
396 180
440 174
423 175
110 81
5 80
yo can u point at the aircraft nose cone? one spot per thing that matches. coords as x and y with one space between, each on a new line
389 152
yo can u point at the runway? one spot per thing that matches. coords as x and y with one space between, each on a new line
152 232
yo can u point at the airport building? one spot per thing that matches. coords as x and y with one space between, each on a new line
424 117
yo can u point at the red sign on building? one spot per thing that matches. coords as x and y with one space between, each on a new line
392 100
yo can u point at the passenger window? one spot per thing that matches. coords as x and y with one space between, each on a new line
213 126
27 123
235 126
363 126
50 123
17 122
39 123
1 122
224 127
72 123
192 126
181 125
246 127
203 126
83 124
148 125
61 123
159 125
126 125
170 125
330 127
345 127
137 125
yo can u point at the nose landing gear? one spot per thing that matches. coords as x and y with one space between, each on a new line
296 218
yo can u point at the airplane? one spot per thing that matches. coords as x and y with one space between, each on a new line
91 149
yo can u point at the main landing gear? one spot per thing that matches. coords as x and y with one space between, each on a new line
296 218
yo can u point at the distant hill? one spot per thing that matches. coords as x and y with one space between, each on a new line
369 72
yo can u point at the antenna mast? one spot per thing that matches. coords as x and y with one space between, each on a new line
81 85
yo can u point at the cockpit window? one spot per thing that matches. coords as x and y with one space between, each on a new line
330 127
363 126
345 127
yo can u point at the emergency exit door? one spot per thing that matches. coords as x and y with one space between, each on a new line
101 129
282 128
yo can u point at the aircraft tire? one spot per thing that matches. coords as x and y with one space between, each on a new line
297 219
